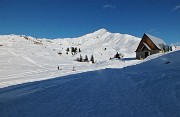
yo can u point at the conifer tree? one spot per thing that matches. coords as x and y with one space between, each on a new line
79 50
117 55
72 49
86 58
80 59
67 49
75 50
92 59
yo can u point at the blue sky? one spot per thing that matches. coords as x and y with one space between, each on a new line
74 18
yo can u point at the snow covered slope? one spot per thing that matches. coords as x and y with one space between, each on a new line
95 43
27 59
150 89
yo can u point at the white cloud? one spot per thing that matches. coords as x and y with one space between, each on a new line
152 30
176 8
109 6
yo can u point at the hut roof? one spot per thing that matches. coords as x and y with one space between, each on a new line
157 41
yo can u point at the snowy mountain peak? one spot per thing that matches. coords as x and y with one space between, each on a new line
102 30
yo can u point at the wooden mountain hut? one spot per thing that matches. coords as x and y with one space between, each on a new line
150 45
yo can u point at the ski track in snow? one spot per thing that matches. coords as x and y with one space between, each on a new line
25 57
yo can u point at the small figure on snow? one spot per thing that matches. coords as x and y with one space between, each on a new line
58 67
74 68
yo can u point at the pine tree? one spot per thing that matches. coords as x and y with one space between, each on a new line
79 50
80 59
72 49
117 55
86 58
75 50
67 49
92 59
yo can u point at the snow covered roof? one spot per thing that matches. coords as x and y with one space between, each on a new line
156 41
147 46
